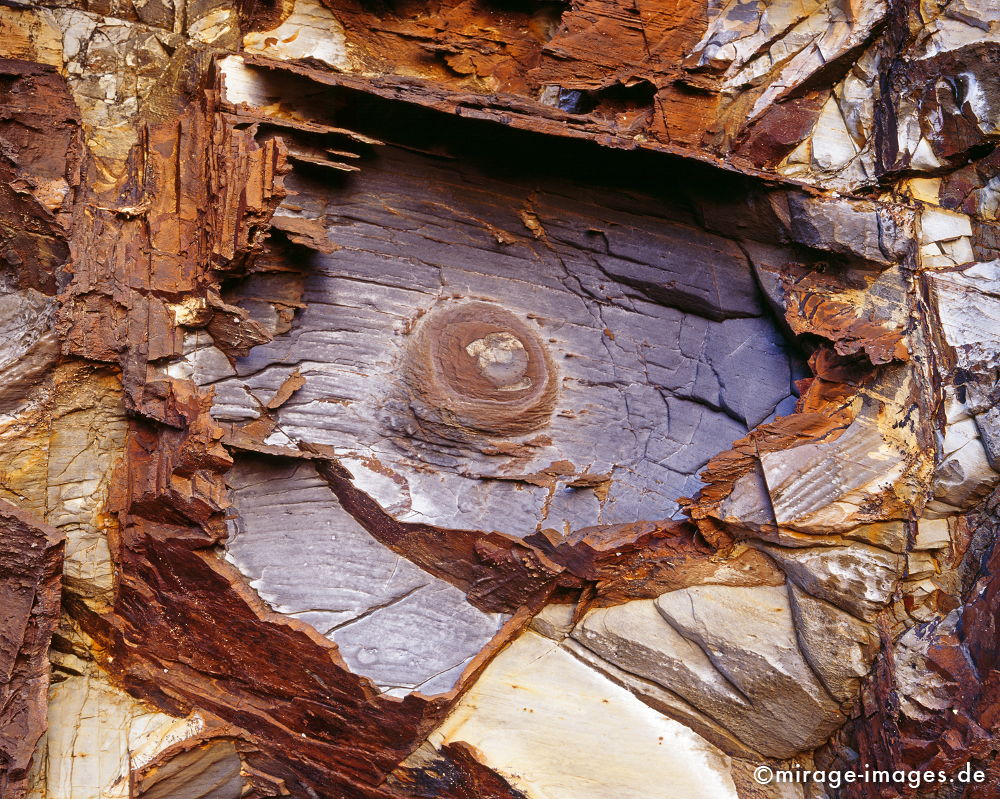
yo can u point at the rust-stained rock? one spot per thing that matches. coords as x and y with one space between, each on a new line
476 369
470 400
453 771
31 554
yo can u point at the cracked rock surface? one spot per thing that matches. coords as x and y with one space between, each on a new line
478 401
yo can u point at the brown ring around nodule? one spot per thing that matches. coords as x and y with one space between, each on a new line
477 368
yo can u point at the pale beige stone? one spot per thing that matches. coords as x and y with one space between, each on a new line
927 190
212 770
937 224
531 717
832 145
932 534
85 443
97 734
554 621
920 564
731 653
311 31
860 579
839 647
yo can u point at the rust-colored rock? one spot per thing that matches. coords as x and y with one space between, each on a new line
516 401
29 598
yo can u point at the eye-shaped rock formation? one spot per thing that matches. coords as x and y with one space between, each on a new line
466 400
476 369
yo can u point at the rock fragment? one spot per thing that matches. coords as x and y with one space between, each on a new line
731 653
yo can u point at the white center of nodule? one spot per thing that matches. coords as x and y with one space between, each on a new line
501 358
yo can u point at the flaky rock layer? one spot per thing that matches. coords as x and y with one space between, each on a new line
468 400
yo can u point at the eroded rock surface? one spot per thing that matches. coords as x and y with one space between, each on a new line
312 560
637 335
29 608
731 653
564 756
481 402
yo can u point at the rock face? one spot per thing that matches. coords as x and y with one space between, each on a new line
451 400
29 598
312 560
566 756
731 653
630 337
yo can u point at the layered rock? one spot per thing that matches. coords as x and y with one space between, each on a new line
730 653
462 401
374 603
29 598
535 677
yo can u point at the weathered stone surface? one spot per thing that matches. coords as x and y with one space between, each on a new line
729 652
965 474
83 448
810 492
490 298
97 735
932 534
863 230
28 347
859 579
310 559
451 771
631 331
529 718
30 560
202 771
968 306
839 647
933 699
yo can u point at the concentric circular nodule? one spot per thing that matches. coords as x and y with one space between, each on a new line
477 368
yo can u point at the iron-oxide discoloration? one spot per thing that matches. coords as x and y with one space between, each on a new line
385 258
476 369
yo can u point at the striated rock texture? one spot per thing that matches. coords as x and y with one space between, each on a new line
29 588
494 400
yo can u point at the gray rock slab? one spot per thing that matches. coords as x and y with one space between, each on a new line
309 559
968 306
749 635
729 652
850 227
656 332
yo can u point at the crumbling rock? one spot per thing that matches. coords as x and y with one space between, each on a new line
31 555
529 401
